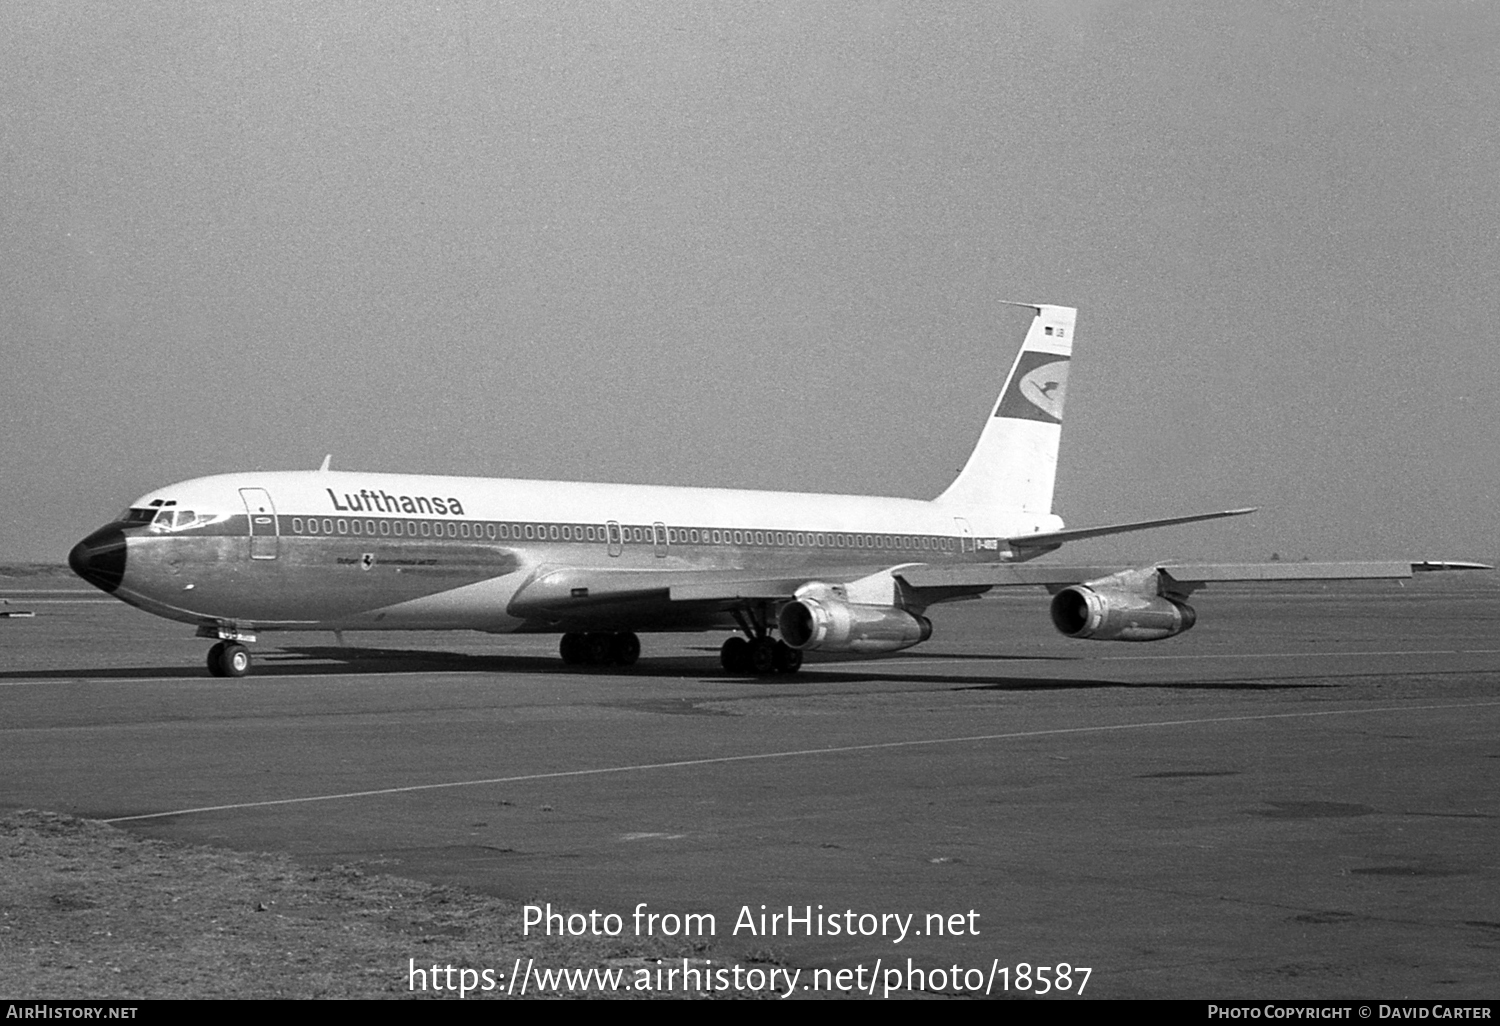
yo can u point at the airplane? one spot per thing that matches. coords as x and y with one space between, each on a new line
236 554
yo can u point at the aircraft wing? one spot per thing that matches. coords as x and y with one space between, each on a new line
1052 539
1183 577
563 594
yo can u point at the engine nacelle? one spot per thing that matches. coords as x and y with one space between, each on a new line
821 618
1104 614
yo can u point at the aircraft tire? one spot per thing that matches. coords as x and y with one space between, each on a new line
762 657
573 648
788 659
236 660
229 659
600 649
734 656
626 649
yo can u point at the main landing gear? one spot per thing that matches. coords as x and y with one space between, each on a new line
600 649
229 659
757 652
761 656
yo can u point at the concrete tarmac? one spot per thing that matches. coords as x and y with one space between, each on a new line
1296 799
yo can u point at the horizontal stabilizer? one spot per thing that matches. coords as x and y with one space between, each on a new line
1054 538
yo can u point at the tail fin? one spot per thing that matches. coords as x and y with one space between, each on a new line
1013 467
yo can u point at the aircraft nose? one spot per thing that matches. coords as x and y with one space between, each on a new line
100 558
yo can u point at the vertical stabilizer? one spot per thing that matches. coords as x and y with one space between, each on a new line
1013 467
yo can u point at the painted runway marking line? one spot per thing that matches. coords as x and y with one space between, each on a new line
810 667
88 680
799 753
63 602
196 678
48 591
1156 658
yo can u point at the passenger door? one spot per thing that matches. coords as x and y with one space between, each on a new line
965 535
264 530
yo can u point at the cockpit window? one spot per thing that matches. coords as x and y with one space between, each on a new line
165 516
177 519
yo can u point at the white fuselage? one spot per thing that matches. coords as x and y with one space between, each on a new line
322 549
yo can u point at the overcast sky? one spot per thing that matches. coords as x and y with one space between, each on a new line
760 245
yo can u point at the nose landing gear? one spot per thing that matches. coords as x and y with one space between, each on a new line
229 659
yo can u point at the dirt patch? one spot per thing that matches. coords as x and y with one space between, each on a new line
89 910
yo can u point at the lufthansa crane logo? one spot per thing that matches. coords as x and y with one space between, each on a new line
1038 388
1046 386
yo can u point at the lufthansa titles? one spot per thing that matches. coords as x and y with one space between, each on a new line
376 501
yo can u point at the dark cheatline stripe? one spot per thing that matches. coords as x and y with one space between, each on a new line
509 533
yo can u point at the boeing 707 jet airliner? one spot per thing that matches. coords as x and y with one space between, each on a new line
239 554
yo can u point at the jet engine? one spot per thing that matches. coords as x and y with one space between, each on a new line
821 618
1111 614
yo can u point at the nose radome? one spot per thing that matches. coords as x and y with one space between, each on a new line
100 558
